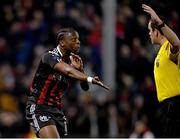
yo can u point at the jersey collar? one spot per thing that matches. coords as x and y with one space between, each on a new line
59 50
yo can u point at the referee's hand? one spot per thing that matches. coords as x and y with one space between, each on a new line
154 17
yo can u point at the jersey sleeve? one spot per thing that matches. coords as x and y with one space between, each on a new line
173 57
51 58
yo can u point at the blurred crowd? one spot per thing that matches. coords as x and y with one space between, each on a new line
29 27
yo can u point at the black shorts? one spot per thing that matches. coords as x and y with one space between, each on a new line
169 117
40 115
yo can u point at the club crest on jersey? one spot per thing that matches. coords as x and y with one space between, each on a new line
57 76
157 63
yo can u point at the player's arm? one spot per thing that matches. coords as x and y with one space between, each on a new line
168 33
53 60
70 71
84 85
73 73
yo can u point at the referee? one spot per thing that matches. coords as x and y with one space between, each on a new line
166 73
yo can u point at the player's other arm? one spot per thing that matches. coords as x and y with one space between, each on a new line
167 31
172 38
77 63
84 84
174 41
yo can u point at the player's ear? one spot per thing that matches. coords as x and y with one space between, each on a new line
156 32
61 43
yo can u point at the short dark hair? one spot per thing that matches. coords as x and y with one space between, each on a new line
155 26
62 32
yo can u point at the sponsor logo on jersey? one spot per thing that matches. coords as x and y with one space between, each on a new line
44 118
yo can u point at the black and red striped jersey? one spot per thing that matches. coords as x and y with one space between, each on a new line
48 85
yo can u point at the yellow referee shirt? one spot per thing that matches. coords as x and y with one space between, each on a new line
167 73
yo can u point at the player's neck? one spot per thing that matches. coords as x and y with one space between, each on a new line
63 52
162 40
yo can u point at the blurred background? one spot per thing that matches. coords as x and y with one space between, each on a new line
114 45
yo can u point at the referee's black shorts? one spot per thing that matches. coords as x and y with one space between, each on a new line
39 116
170 117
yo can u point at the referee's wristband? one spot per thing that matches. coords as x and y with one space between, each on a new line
161 25
89 79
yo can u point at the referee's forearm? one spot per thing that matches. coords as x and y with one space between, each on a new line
171 36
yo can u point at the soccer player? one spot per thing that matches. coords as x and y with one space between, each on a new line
44 110
166 73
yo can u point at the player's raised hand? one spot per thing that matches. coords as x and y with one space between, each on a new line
154 17
76 61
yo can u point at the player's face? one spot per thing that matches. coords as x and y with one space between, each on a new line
152 34
72 42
